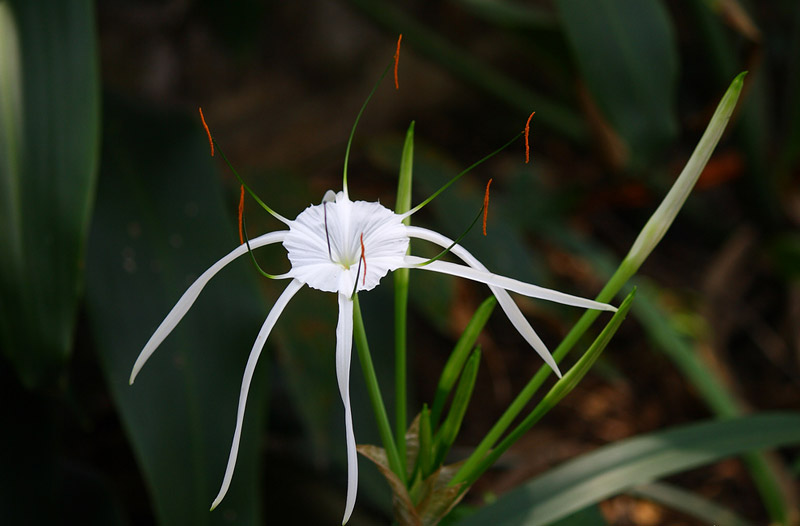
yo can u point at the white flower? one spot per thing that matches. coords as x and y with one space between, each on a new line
346 246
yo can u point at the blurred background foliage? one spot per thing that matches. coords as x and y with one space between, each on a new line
110 206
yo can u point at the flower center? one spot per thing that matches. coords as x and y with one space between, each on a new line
333 245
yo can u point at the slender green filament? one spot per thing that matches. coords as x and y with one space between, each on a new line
252 255
358 118
272 212
454 243
461 174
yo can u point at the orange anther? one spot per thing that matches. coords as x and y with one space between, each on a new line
364 259
210 141
241 215
397 61
486 205
527 133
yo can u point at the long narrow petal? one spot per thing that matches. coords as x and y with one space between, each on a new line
187 300
503 298
520 287
255 353
344 347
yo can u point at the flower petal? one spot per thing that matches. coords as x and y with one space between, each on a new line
520 287
249 369
344 347
503 298
187 300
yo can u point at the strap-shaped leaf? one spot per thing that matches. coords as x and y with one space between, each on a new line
160 221
627 55
49 136
615 468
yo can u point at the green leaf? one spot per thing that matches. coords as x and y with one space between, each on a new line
658 224
160 221
688 503
447 434
452 369
627 55
591 516
49 135
511 14
622 465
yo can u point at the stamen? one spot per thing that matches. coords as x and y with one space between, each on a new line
527 143
486 205
364 259
258 200
355 283
253 256
396 61
358 118
327 237
454 243
457 177
241 214
210 140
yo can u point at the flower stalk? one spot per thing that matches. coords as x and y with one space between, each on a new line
378 407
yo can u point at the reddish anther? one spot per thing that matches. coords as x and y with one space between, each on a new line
241 215
208 132
364 259
486 205
397 61
527 143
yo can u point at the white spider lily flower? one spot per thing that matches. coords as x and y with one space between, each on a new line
345 246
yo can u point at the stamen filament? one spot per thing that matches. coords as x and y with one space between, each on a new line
454 243
358 270
355 284
327 236
252 255
486 205
527 133
457 177
214 144
241 213
364 259
250 191
361 111
208 132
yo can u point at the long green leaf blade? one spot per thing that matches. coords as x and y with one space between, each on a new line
627 54
49 136
452 369
618 467
688 503
160 222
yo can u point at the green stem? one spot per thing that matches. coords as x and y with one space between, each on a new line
401 279
400 323
381 417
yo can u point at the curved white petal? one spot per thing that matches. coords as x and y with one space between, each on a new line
520 287
249 369
503 298
344 347
187 300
